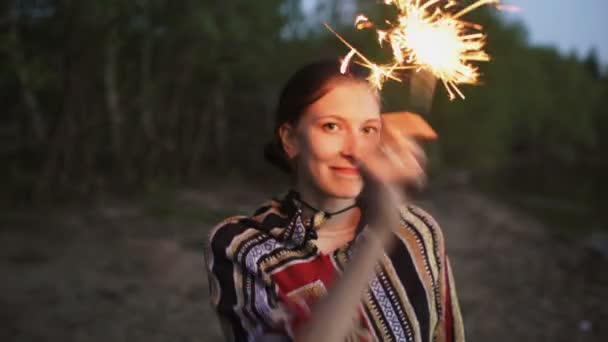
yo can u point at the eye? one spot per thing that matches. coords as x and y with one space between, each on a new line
370 130
331 127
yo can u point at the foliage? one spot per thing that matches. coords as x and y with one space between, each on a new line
113 95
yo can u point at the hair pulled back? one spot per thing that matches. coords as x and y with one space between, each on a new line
307 85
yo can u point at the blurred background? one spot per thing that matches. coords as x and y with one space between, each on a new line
129 128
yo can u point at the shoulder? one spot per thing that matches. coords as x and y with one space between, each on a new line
415 214
226 231
421 223
230 234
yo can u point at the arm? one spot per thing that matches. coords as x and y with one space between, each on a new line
333 316
398 160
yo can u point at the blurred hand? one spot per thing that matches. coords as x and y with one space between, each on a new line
397 160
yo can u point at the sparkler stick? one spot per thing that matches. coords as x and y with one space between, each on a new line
422 91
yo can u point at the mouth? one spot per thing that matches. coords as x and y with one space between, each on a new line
346 171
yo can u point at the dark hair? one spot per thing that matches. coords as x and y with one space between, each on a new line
304 87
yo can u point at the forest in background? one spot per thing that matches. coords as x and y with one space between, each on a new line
120 96
130 128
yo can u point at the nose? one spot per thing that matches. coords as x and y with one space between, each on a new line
350 147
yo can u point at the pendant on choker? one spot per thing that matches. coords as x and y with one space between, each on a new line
321 216
318 219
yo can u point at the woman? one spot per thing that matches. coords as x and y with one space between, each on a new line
267 271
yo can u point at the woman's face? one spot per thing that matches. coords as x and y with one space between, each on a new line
332 133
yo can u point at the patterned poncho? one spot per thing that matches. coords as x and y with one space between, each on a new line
266 273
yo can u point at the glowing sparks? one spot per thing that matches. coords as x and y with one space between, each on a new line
427 35
346 61
362 22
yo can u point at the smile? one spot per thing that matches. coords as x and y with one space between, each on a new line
346 171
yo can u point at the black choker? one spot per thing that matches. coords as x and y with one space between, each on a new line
321 216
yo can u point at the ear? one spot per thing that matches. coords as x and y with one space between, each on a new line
287 133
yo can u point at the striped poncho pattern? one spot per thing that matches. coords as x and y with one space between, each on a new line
266 273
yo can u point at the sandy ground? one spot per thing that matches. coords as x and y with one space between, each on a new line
115 272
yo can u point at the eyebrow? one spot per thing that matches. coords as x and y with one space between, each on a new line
374 120
326 116
341 118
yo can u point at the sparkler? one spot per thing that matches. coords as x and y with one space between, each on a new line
427 35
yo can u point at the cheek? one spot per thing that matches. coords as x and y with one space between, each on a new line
322 147
369 143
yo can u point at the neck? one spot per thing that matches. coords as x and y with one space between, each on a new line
328 204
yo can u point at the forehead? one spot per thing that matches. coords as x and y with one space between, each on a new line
350 100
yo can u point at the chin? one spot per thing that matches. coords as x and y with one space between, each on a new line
343 188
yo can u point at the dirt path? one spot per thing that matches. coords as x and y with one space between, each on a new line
119 273
516 281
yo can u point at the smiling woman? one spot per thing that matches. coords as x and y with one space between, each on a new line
267 271
330 135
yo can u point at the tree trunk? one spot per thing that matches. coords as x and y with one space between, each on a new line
147 118
198 146
220 125
36 121
112 94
